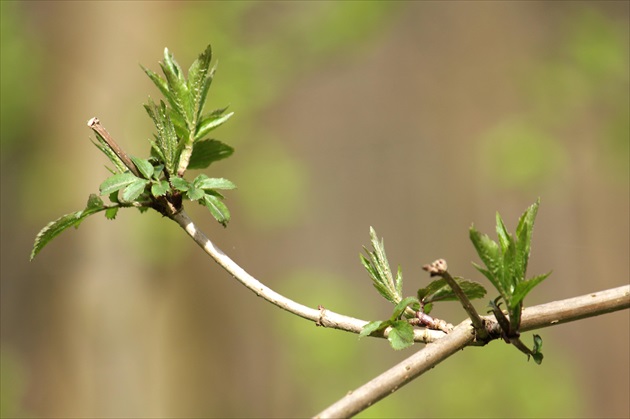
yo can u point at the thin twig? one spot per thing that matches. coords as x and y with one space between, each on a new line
320 315
96 126
536 317
440 268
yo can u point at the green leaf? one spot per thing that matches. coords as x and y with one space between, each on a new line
537 355
113 197
179 183
502 233
489 253
167 142
402 305
134 190
378 269
195 194
110 213
524 232
157 171
197 79
204 182
210 122
181 99
158 81
399 281
217 209
144 166
102 145
54 228
372 327
208 151
160 188
117 182
94 202
401 335
524 287
439 290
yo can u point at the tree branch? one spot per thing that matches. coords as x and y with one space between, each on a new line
536 317
320 315
443 346
440 269
96 126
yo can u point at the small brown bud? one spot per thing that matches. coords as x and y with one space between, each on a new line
436 268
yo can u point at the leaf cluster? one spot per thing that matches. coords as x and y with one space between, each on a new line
406 309
180 143
506 266
182 126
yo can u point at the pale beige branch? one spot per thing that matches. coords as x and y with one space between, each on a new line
321 316
536 317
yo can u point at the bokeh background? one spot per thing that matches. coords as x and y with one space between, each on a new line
417 118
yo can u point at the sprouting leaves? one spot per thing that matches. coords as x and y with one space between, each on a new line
185 115
204 190
506 266
378 269
401 334
179 143
439 290
409 309
54 228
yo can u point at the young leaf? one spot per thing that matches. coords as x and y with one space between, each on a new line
378 269
524 232
524 287
54 228
167 142
181 99
179 183
144 166
204 182
536 354
402 305
217 209
94 202
133 191
110 213
210 122
158 81
117 182
489 253
197 79
208 151
372 327
160 188
113 157
439 290
401 335
194 193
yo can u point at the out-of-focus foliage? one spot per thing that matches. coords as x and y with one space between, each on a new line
524 151
21 60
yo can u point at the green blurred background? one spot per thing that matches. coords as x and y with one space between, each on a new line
416 118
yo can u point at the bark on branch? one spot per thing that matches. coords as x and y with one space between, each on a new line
536 317
441 345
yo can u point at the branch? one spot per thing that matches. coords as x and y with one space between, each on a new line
439 268
536 317
320 315
96 126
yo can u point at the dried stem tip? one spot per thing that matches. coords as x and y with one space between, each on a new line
436 268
